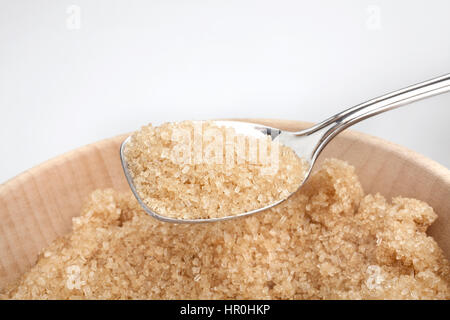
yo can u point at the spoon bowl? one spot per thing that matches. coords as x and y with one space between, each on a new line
242 128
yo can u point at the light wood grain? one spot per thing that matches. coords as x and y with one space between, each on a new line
37 206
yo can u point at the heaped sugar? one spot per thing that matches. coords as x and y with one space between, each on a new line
198 170
319 244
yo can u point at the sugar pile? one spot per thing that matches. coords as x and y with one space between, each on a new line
198 170
328 241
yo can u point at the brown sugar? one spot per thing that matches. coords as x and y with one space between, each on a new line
198 170
327 241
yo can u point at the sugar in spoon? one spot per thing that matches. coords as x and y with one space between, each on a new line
309 143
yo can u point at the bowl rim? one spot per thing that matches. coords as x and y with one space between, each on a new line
406 153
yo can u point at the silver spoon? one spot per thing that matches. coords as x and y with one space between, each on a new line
308 143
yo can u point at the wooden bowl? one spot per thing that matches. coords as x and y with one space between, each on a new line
37 206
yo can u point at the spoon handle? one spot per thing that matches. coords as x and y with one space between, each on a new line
329 128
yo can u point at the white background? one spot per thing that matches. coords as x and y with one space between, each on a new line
71 75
